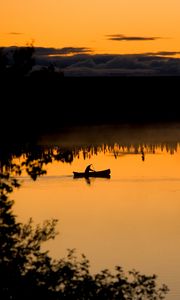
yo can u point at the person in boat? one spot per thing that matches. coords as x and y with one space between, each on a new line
88 170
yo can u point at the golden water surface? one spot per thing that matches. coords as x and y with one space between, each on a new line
131 219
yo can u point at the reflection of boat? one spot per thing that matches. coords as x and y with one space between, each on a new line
103 174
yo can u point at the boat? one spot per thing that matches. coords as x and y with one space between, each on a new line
103 174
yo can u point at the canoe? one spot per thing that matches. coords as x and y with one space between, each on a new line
103 174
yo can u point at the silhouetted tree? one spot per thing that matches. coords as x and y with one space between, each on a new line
47 73
17 63
23 60
3 60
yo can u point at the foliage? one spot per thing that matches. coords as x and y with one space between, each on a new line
23 60
17 63
3 60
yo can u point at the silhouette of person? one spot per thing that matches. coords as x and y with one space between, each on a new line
88 169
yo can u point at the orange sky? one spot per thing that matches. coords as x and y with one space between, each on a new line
63 23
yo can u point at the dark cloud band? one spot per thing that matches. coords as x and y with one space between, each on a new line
61 51
15 33
121 37
82 64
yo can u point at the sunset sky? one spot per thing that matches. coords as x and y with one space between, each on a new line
105 26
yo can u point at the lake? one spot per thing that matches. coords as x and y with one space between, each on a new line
131 219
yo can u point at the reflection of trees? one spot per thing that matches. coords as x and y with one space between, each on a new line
34 159
118 150
27 272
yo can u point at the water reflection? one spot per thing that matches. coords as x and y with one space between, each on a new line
26 271
34 159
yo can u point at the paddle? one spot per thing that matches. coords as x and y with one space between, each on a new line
93 168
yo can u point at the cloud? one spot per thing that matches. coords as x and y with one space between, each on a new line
82 64
119 65
121 37
61 51
164 53
94 65
15 33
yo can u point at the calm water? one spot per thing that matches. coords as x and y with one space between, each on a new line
131 219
